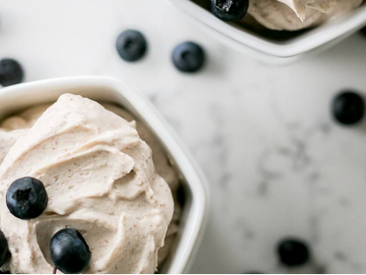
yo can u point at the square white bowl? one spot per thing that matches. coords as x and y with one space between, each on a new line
194 214
265 49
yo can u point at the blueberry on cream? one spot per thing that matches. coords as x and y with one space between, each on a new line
26 198
4 249
229 10
69 251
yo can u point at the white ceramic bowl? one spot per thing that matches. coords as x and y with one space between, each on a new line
18 97
268 50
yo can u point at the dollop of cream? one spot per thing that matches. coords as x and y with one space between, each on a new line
101 180
294 15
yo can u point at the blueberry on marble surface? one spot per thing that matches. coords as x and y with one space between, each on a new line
26 198
293 252
229 10
10 72
69 251
348 108
188 57
131 45
4 249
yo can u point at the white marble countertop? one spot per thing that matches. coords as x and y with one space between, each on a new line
276 163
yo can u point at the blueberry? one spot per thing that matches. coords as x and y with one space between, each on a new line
26 198
229 10
293 252
10 72
69 251
131 45
188 57
348 108
4 249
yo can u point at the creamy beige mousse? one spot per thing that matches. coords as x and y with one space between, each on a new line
102 179
292 15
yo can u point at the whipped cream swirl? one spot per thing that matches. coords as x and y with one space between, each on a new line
100 179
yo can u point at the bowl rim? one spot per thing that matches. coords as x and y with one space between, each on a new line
194 178
336 28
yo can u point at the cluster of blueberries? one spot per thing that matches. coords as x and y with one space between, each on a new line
131 45
187 57
27 199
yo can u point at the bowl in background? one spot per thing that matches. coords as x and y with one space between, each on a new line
270 48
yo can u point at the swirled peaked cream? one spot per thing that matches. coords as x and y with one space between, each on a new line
100 179
297 14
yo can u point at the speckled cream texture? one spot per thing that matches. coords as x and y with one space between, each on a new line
294 15
101 180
